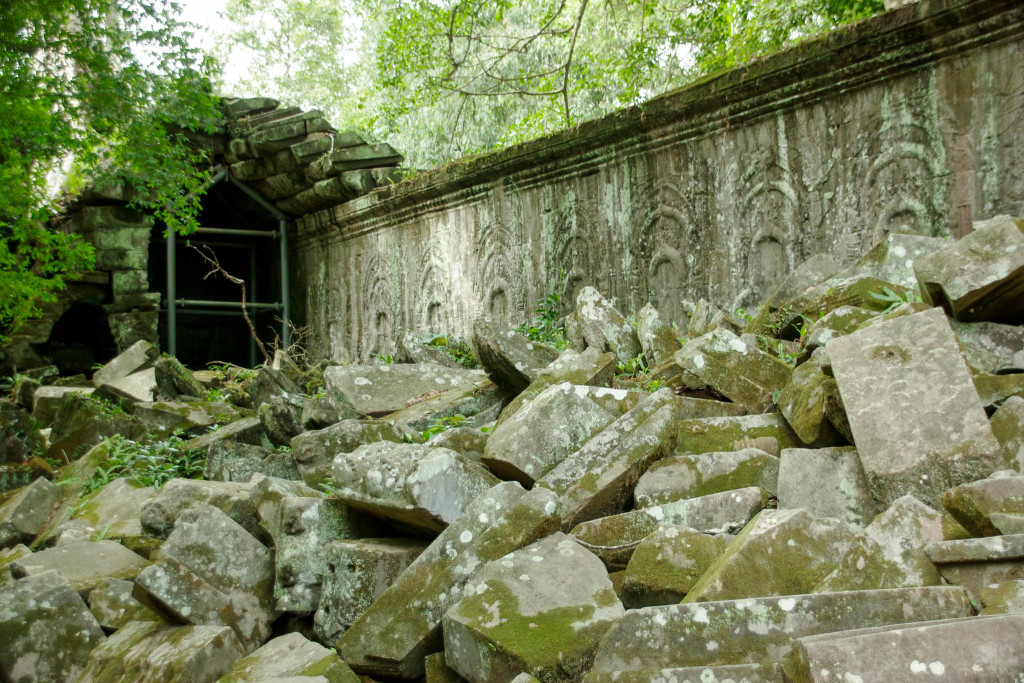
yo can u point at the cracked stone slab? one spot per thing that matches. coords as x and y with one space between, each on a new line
979 649
690 476
518 614
761 629
404 624
376 390
161 512
113 605
421 487
916 419
591 367
731 433
46 629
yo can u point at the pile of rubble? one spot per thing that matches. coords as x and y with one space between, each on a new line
831 489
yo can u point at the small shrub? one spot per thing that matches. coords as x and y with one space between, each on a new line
151 464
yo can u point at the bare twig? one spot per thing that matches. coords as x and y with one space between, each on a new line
207 255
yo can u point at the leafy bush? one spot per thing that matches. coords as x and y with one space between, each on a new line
151 464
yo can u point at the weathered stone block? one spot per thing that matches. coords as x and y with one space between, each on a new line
973 504
314 452
728 365
604 328
25 514
691 476
84 564
357 573
290 655
598 478
421 487
761 629
666 565
1008 427
990 347
592 368
46 629
376 390
211 571
828 482
981 276
979 649
238 462
718 434
149 651
978 562
112 604
403 625
136 357
300 560
528 445
916 419
160 513
511 360
779 552
139 386
520 615
47 401
658 338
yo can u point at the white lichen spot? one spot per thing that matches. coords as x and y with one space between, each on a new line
466 536
852 678
787 604
917 667
524 577
700 615
550 507
656 513
362 382
711 646
483 518
660 619
937 668
698 361
738 346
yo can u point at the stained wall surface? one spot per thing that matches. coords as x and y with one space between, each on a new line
912 121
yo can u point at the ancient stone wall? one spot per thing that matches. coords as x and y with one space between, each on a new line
912 121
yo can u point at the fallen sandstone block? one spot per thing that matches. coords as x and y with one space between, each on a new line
520 615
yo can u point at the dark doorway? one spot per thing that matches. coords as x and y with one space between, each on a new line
79 339
244 237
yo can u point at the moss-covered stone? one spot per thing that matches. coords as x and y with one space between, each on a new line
761 629
1008 427
732 368
973 504
666 564
47 630
149 651
112 604
803 401
403 625
828 482
286 656
717 434
779 552
691 476
24 514
357 572
598 478
1003 598
520 616
417 486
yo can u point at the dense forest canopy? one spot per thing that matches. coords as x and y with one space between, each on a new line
109 89
440 79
